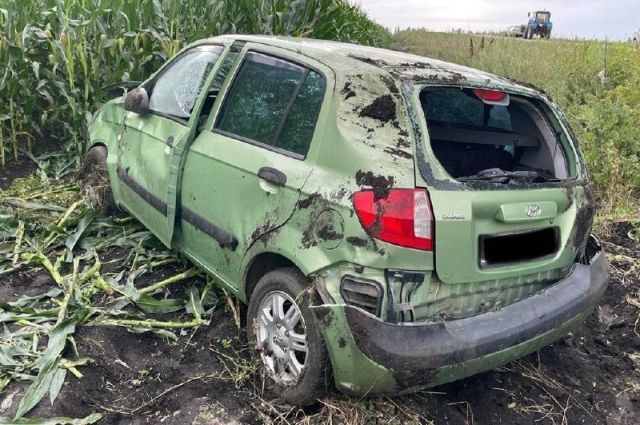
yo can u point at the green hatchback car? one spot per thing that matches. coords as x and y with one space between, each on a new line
393 222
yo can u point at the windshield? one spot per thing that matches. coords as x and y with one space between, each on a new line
489 135
543 16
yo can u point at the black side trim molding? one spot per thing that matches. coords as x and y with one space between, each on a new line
224 238
149 197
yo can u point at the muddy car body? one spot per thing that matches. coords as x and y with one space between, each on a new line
393 222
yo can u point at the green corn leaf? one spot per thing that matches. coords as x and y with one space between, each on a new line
48 365
149 304
56 384
164 333
32 302
20 203
38 388
4 381
7 361
73 238
91 419
194 306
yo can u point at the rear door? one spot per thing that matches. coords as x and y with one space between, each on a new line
150 146
243 175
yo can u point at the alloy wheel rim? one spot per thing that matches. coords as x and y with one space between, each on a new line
281 334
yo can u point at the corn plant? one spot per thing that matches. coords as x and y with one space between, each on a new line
57 55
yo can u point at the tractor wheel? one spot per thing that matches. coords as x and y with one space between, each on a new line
528 34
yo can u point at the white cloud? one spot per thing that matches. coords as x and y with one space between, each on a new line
587 18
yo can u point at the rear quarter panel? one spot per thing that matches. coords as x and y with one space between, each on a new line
365 143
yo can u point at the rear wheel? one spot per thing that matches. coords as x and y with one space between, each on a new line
528 34
290 345
94 180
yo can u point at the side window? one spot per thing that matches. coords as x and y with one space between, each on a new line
176 90
273 102
301 122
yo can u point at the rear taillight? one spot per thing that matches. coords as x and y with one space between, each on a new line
403 218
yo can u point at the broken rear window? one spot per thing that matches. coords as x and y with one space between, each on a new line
494 136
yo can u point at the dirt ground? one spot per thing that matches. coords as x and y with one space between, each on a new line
207 377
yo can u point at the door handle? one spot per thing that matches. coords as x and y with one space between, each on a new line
273 176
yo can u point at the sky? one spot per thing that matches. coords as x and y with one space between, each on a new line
614 19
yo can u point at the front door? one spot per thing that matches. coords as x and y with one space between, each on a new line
150 145
242 178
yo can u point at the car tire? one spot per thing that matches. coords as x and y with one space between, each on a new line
94 181
272 334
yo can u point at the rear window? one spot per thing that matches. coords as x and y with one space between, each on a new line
478 135
458 107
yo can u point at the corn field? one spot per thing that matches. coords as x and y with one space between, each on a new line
57 55
56 58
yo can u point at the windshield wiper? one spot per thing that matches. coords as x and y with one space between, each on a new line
498 175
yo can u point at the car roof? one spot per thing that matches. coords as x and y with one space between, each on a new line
351 59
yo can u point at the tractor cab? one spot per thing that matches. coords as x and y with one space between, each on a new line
539 24
542 17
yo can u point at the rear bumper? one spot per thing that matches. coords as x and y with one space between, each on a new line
399 357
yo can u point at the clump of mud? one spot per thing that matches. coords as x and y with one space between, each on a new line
306 203
380 184
383 109
347 91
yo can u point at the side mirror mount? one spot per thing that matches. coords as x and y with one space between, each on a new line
137 100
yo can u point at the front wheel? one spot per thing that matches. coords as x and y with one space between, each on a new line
529 33
290 345
94 180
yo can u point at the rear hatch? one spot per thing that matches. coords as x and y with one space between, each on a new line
506 185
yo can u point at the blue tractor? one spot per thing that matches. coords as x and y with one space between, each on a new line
539 24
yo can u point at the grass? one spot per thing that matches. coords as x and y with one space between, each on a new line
596 84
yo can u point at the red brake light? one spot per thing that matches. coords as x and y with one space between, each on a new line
403 218
492 96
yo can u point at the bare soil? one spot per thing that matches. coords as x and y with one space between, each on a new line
205 377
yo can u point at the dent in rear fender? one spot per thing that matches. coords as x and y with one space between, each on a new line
457 341
481 364
357 374
301 240
353 372
422 359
